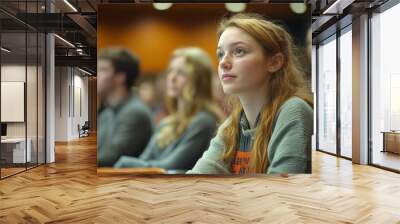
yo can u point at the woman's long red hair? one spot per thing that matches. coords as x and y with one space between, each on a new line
285 83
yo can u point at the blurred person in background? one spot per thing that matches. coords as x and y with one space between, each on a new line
153 96
124 123
183 136
147 93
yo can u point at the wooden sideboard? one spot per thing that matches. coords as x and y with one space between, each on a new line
391 141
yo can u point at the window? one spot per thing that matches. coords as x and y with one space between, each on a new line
327 96
22 68
385 88
346 93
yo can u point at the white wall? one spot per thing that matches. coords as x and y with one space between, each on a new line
71 93
13 72
61 103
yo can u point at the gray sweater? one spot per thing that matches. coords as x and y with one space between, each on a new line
123 130
182 153
289 149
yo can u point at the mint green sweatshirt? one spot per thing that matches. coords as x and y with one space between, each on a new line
289 149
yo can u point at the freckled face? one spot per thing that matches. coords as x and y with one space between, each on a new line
242 63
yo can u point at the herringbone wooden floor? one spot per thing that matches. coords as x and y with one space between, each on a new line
69 191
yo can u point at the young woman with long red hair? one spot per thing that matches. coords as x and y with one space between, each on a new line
271 124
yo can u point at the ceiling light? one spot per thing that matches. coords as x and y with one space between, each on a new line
84 71
337 7
70 5
5 49
298 8
235 7
162 6
65 41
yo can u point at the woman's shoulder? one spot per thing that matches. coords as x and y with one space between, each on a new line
296 110
295 106
296 101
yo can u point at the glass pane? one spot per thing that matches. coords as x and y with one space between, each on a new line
31 86
327 96
313 87
31 97
13 86
41 99
385 89
346 94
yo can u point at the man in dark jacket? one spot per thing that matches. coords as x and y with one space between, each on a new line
124 122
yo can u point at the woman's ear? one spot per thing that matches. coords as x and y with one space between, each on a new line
275 62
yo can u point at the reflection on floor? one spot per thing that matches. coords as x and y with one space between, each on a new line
12 169
386 159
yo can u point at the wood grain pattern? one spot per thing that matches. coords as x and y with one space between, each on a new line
109 171
69 191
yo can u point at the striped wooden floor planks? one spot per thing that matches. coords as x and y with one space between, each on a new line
69 191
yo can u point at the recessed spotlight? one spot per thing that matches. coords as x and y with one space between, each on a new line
235 7
298 8
162 6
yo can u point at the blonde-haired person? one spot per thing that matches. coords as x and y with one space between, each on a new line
270 127
185 134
